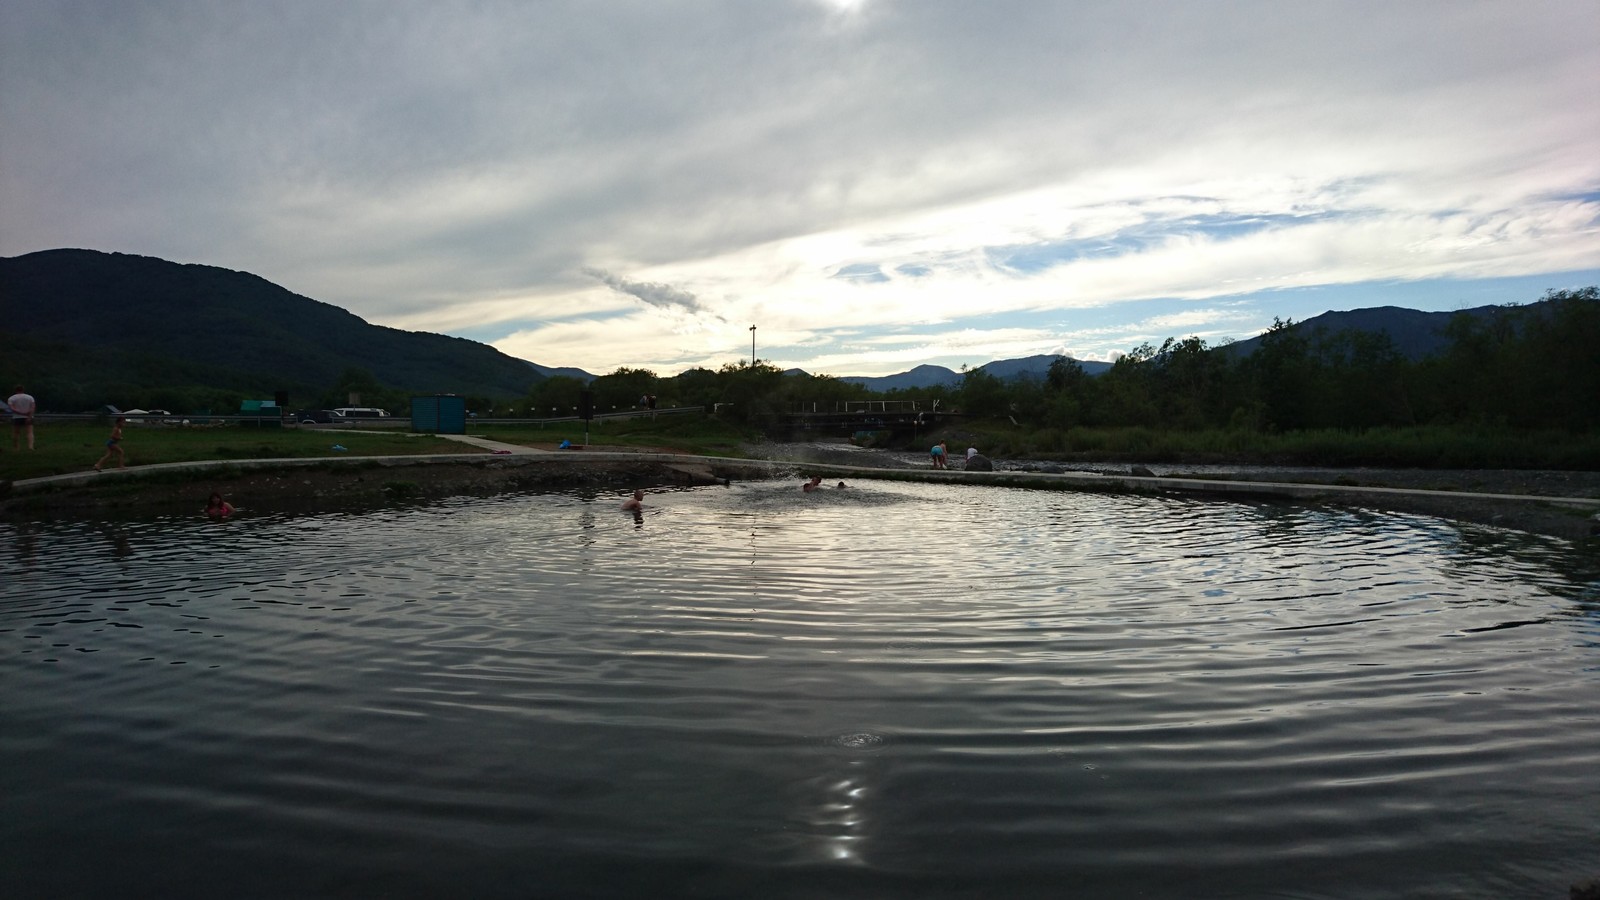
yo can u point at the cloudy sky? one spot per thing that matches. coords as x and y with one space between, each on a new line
874 184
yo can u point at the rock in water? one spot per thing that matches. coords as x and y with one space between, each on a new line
1142 472
979 463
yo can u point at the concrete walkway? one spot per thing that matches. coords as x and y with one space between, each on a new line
494 446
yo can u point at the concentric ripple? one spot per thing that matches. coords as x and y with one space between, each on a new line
891 690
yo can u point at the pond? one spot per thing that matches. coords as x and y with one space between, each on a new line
892 690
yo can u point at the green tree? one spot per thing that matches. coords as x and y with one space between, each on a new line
554 397
750 393
1281 376
1366 382
982 394
623 388
1127 390
693 387
1189 382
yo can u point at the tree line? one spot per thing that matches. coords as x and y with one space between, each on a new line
1533 367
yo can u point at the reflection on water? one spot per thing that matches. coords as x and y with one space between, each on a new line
885 691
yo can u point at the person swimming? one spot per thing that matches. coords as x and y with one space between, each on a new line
634 502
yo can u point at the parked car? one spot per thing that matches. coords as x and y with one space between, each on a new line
313 416
360 412
155 415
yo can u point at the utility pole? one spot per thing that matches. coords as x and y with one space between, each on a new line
752 346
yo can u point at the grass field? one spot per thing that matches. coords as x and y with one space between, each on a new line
1422 447
64 447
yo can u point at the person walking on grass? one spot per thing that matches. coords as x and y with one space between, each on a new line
22 406
114 448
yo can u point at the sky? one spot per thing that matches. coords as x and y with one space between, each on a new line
872 184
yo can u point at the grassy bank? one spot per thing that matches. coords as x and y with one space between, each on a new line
1423 447
64 447
675 433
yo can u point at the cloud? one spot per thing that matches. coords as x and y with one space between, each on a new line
660 296
820 169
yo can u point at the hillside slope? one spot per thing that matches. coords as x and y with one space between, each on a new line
83 311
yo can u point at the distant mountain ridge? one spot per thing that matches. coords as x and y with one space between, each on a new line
924 376
1415 334
562 371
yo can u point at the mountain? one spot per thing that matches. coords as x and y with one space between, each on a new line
920 377
1036 367
1004 369
1415 334
563 371
91 322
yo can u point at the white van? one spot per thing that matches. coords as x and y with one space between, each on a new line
360 412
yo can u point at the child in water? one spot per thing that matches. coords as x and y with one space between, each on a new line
114 446
218 507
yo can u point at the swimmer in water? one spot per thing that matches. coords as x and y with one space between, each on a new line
634 502
218 507
813 484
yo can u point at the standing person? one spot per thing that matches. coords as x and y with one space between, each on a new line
114 447
938 455
22 407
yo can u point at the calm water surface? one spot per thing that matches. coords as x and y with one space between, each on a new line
888 691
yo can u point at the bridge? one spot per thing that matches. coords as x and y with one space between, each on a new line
844 419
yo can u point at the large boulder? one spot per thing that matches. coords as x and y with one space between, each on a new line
979 463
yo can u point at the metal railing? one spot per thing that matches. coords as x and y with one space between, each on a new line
864 406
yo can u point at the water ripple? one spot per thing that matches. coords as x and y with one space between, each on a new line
897 690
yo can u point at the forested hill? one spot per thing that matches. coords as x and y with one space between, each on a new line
86 327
